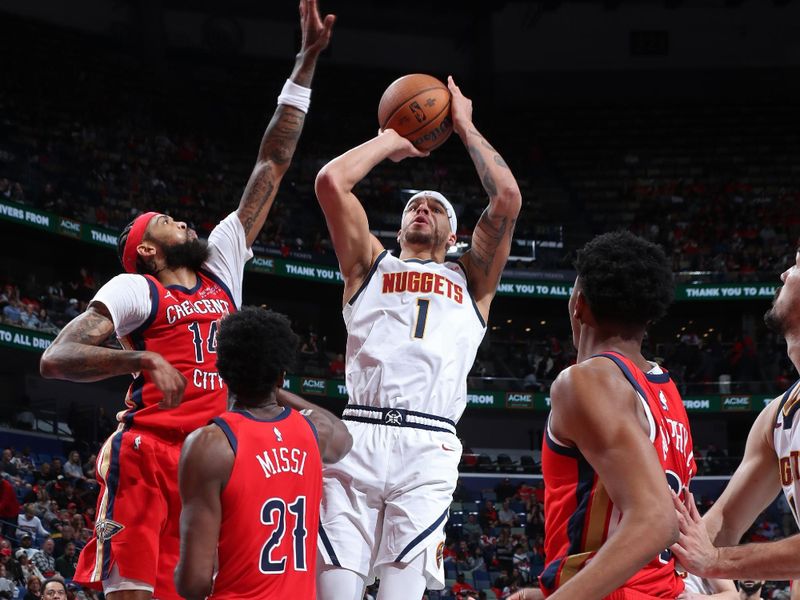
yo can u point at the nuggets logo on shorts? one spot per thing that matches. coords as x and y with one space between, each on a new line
106 529
439 554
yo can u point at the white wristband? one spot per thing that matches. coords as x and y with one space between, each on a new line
295 95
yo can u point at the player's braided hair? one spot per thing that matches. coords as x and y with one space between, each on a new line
254 347
625 279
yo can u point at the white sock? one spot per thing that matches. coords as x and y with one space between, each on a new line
335 583
403 581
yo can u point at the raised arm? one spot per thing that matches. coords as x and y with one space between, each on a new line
76 355
205 467
280 139
356 248
752 488
594 408
491 239
334 439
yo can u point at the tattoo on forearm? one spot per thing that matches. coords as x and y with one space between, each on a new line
277 148
487 180
489 234
77 350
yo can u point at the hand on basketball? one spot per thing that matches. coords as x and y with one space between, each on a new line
693 549
401 147
460 107
316 32
166 378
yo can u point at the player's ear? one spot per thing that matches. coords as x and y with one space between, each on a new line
580 308
146 250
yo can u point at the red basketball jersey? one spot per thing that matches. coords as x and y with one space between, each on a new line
182 328
270 508
579 515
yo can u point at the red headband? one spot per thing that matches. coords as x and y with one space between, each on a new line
135 236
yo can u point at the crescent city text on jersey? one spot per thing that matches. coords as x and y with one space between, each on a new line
176 312
423 282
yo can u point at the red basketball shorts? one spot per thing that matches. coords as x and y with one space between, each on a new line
138 513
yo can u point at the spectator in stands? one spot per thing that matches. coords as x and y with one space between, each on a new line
26 544
45 323
44 559
34 587
45 472
504 489
29 317
8 589
28 522
56 467
72 310
27 568
64 539
66 563
506 516
461 587
521 561
488 515
90 466
471 530
73 468
336 367
26 464
9 467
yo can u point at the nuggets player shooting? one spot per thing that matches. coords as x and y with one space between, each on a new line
414 323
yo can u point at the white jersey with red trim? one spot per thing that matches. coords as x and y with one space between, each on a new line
786 438
413 331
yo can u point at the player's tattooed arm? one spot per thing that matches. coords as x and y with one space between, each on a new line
491 239
77 355
280 139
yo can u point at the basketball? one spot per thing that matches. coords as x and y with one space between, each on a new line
418 108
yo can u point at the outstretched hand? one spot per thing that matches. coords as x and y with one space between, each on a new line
693 549
460 106
316 31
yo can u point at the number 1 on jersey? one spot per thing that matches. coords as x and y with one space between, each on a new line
422 317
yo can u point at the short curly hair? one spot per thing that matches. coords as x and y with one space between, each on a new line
254 347
625 279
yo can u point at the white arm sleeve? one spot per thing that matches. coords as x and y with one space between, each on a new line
228 253
127 298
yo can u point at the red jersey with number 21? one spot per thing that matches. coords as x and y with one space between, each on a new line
270 508
182 327
579 515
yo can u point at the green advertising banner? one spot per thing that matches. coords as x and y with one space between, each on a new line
727 291
297 269
36 341
24 339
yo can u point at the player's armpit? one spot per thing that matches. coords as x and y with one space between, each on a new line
333 437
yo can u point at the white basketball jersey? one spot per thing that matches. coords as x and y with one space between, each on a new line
786 437
413 330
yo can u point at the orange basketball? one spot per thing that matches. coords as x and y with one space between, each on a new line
418 108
